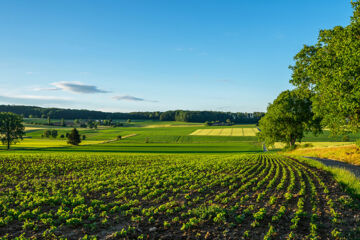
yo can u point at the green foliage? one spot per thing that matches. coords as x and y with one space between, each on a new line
59 195
92 124
11 128
357 143
330 70
287 119
74 137
54 133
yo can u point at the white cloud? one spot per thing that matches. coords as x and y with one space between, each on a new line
46 89
33 99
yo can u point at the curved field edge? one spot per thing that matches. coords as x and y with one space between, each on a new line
111 196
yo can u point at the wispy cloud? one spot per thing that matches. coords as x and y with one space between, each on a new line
75 87
29 73
46 89
78 87
131 99
33 99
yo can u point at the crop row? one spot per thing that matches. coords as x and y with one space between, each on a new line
261 196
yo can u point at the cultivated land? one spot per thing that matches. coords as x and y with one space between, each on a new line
171 197
162 182
243 132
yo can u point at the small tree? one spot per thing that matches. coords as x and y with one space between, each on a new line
74 137
92 124
62 136
118 137
11 128
49 120
83 137
47 133
129 121
54 133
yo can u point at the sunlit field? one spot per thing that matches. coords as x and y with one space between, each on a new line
243 132
133 196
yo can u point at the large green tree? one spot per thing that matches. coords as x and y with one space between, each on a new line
287 119
331 71
11 128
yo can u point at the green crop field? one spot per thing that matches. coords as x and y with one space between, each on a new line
149 196
160 181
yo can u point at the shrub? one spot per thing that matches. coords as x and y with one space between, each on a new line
307 145
346 138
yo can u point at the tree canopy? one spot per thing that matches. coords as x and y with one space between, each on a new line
74 137
11 128
331 71
287 119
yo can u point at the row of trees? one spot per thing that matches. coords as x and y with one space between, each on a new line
70 114
326 77
178 115
203 116
54 133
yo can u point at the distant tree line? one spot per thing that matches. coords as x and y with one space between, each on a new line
70 114
208 116
178 115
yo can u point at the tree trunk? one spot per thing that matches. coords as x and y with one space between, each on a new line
292 142
8 145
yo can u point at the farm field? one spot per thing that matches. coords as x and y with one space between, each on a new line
151 196
243 132
161 137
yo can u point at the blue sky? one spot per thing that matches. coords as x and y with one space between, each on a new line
156 55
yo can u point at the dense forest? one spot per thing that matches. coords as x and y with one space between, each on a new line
178 115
